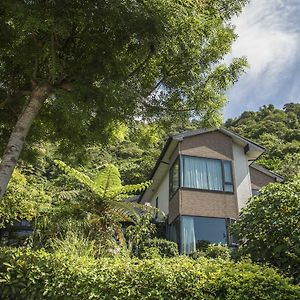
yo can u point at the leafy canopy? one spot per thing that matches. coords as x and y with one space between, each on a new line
108 61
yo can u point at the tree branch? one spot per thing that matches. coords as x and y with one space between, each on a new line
12 98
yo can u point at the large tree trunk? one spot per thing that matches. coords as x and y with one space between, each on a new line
17 138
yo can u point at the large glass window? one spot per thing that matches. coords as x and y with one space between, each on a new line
174 178
174 231
207 174
196 230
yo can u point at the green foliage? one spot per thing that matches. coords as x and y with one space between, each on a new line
107 62
24 200
39 275
164 248
218 251
98 209
142 230
212 251
278 130
75 243
106 184
269 227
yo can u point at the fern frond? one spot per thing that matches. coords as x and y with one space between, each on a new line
124 209
131 188
84 179
108 179
67 195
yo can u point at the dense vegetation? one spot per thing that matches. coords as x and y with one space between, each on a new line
86 87
278 130
40 275
72 71
269 227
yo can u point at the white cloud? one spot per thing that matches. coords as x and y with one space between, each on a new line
264 38
269 36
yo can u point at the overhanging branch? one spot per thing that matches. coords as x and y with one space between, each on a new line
12 98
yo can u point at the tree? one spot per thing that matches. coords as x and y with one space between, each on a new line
71 69
269 226
278 130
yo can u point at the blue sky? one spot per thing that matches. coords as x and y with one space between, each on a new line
269 36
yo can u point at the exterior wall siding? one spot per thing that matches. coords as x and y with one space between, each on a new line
174 206
242 176
208 204
204 203
213 144
259 179
163 195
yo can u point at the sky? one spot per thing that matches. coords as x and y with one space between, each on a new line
269 36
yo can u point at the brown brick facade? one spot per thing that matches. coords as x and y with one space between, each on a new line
208 204
212 144
259 179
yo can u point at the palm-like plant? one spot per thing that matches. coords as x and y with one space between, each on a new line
105 206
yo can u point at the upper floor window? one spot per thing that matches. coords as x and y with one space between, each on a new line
174 178
207 174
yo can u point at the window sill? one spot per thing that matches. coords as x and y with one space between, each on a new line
207 191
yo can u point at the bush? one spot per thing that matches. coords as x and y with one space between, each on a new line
269 227
163 248
212 251
40 275
218 251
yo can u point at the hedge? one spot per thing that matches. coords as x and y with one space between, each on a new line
25 274
164 248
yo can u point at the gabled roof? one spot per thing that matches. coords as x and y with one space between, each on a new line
252 149
179 137
260 168
236 137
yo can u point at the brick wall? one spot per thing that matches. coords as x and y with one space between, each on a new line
212 144
209 204
259 179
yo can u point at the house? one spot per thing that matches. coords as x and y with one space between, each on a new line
201 181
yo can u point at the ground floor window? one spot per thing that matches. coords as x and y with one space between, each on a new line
16 233
190 232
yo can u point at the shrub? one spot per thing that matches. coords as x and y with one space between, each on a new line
40 275
218 251
164 248
269 227
212 251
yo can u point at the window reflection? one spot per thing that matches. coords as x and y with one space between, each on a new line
190 232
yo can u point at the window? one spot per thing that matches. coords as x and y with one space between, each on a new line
174 231
174 178
228 183
196 230
207 174
16 233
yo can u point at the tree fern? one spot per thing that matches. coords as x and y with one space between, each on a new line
106 203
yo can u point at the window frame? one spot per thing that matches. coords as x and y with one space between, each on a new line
229 239
178 161
222 171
